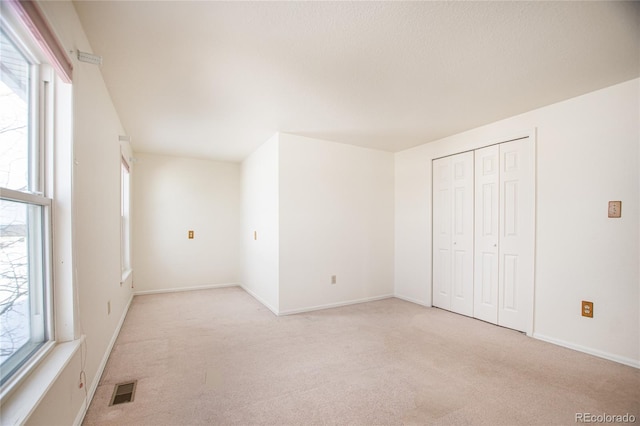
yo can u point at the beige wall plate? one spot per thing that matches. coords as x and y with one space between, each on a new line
615 208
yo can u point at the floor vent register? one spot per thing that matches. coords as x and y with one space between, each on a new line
123 392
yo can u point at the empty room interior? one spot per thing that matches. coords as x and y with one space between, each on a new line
319 212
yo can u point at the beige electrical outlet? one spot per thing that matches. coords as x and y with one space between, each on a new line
587 309
615 208
191 235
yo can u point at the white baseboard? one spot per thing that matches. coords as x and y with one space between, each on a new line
260 299
101 367
412 300
335 305
595 352
177 289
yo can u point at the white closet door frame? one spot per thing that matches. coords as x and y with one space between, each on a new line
529 139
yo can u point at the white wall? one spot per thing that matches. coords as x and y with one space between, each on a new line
96 197
336 218
260 210
587 154
172 195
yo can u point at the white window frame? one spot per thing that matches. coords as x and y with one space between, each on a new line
26 387
37 194
125 218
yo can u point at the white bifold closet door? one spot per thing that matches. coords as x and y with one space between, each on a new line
487 234
453 186
504 234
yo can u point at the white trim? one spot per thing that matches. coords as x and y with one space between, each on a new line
24 400
101 367
125 276
125 216
260 299
31 363
336 305
25 197
591 351
177 289
412 300
531 318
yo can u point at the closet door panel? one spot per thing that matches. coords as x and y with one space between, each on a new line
516 223
442 233
462 233
487 181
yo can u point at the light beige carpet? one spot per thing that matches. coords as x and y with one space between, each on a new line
218 357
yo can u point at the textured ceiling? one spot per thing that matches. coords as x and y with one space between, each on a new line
216 79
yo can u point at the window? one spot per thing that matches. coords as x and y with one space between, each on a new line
125 197
25 211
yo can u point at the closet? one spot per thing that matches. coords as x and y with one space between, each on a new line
483 233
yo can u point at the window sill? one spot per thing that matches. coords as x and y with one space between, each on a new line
22 401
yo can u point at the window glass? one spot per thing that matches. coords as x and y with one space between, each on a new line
15 94
22 301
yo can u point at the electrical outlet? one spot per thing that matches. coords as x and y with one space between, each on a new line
615 209
255 235
333 279
587 309
191 235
